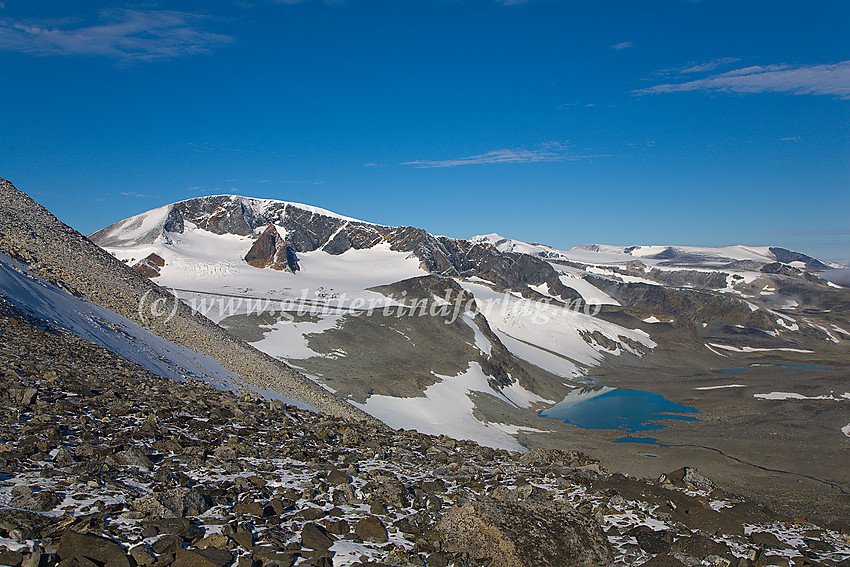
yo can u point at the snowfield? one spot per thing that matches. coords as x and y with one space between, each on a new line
446 406
550 336
199 260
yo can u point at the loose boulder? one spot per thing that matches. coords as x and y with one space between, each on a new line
96 549
518 534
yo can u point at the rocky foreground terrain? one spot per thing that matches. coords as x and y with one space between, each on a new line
105 464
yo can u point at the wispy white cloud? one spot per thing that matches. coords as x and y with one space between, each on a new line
828 79
134 194
123 34
707 66
549 153
622 45
695 67
511 2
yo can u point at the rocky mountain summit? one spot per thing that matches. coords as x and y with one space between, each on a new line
308 229
104 464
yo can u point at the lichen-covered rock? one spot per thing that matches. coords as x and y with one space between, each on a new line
40 501
96 549
173 503
688 477
557 457
371 528
209 557
518 534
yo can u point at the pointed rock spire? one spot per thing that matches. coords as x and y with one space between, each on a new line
271 251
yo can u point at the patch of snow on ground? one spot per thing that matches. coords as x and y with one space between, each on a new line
824 329
446 406
514 429
588 291
481 341
521 397
840 330
708 346
286 339
753 349
721 387
611 274
795 396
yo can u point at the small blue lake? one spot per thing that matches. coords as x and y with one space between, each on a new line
642 440
600 407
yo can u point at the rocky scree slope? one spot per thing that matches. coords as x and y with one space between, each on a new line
105 464
61 255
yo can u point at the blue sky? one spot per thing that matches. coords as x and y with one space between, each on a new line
567 122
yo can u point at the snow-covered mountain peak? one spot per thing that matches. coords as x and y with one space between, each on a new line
492 238
220 214
263 205
510 245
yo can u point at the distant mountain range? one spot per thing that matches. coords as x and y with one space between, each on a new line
700 302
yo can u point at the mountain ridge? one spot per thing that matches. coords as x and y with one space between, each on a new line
61 255
438 253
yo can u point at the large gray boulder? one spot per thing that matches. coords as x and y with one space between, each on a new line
518 534
96 549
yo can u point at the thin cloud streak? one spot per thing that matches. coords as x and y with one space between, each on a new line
707 66
828 79
502 156
145 35
694 67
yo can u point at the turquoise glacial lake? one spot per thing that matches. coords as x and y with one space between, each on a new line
600 407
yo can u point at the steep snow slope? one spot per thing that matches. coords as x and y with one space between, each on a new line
110 330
